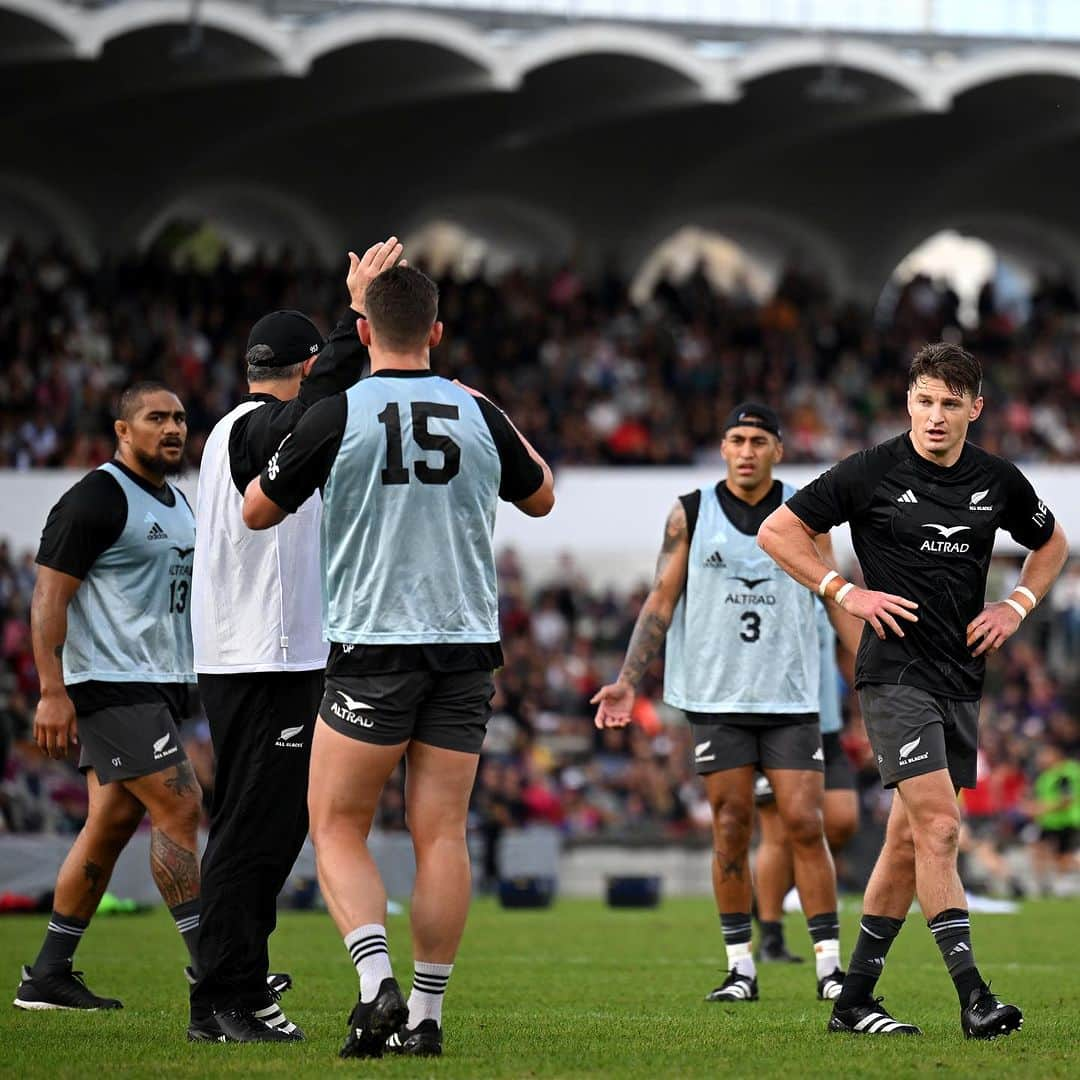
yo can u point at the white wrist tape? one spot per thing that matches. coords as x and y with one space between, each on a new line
842 594
825 581
1018 608
1028 593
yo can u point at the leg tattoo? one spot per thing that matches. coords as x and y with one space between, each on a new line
729 868
182 781
95 879
175 869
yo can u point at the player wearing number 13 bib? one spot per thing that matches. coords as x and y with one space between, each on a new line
112 644
412 467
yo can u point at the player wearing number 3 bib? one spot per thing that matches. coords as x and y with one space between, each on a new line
411 468
743 662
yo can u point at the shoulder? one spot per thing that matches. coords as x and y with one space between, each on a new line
329 409
882 457
94 496
991 464
865 469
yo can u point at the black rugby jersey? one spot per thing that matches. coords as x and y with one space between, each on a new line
925 532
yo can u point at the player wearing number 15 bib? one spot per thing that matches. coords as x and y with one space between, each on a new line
412 467
743 662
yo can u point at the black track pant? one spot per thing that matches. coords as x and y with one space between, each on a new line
262 726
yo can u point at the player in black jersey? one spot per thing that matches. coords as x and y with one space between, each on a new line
924 509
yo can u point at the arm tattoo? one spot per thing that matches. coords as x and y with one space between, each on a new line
651 628
175 869
182 780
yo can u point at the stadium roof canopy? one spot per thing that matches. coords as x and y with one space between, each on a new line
329 123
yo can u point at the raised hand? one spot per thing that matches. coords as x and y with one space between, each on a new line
880 610
363 271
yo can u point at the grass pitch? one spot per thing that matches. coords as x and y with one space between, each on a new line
577 990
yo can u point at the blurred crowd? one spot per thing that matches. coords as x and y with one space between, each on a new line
590 376
545 764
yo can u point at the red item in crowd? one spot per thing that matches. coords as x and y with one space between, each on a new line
542 804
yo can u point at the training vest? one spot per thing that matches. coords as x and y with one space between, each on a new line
408 513
256 604
829 713
743 636
129 620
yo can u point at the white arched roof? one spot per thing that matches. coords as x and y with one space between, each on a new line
1008 63
788 54
58 209
354 28
742 222
933 84
49 13
712 79
227 198
240 21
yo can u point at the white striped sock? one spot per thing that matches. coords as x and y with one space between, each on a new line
428 988
63 928
273 1017
371 958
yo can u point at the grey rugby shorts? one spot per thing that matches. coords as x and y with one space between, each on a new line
838 774
914 732
122 742
721 742
445 709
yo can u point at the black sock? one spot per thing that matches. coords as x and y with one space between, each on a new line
61 940
772 935
825 927
876 934
736 928
952 932
186 916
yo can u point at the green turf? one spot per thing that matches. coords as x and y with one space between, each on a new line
577 990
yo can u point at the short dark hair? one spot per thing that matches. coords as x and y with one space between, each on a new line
132 397
402 304
954 366
261 369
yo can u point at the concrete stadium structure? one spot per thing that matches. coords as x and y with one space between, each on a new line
542 136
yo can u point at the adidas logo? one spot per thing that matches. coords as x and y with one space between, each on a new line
961 946
818 755
155 532
715 561
908 497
